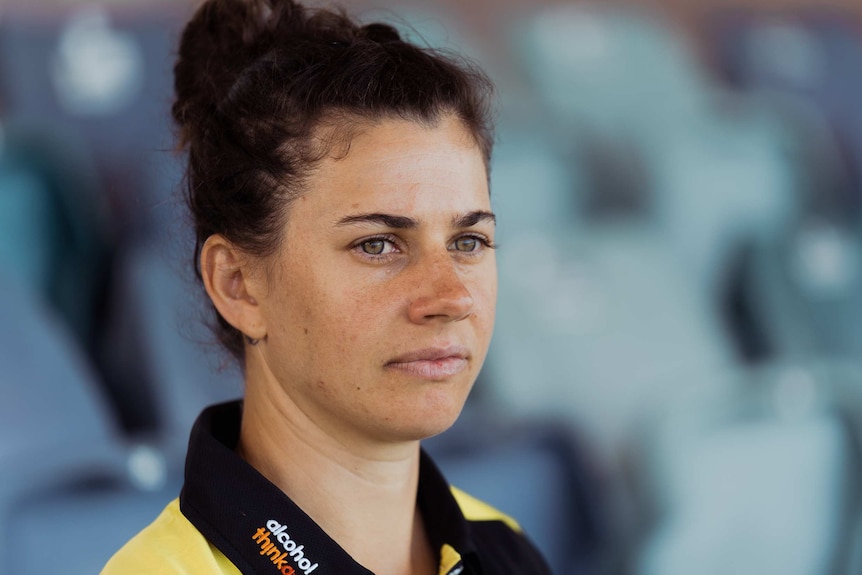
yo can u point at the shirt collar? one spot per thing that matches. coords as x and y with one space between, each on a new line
261 530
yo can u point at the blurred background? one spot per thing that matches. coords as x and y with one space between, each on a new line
675 381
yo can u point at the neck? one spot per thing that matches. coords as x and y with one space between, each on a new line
362 494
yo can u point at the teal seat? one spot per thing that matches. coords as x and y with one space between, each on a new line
610 70
53 233
28 227
56 427
759 478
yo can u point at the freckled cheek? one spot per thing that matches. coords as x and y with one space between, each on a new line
367 305
483 288
348 329
484 310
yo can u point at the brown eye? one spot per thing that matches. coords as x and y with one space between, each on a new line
373 247
466 244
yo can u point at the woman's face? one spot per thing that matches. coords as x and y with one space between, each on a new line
380 302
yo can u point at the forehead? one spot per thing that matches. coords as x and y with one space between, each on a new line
335 132
399 164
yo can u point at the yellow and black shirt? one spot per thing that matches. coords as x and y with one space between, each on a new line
230 519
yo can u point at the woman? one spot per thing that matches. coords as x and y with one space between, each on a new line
338 179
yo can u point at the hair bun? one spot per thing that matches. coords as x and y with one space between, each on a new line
222 39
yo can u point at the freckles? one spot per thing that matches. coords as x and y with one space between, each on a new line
324 388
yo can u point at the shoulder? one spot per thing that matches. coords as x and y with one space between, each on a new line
477 510
501 544
169 545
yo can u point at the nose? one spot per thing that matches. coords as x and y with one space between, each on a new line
440 293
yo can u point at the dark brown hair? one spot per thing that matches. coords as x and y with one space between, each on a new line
254 79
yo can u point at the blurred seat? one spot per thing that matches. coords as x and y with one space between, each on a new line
28 225
54 415
802 278
658 140
55 427
105 77
53 236
81 525
722 183
813 56
812 53
610 70
805 289
760 478
597 325
535 187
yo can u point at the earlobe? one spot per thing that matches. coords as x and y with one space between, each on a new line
230 284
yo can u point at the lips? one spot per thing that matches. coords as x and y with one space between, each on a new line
432 363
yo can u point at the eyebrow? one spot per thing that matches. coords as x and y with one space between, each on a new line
472 218
388 220
403 222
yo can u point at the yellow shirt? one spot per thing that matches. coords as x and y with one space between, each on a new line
230 519
170 544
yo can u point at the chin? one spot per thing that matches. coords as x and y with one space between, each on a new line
431 421
412 434
425 410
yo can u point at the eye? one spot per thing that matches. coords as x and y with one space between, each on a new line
467 244
373 247
376 247
471 244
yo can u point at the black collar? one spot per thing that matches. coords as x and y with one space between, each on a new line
262 531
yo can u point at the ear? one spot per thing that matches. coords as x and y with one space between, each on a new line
231 284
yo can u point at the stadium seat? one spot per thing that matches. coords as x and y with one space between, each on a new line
759 478
534 187
107 79
610 70
812 56
805 287
596 326
55 427
722 184
80 527
54 239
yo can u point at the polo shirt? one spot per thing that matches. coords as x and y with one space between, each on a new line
230 519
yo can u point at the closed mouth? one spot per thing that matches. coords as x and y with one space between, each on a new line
432 363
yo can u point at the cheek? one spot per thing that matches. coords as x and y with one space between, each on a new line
367 299
347 320
483 287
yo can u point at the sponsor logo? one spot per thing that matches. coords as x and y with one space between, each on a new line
285 556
